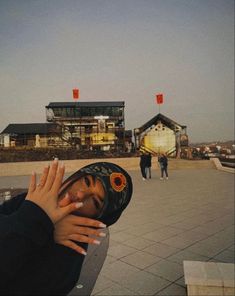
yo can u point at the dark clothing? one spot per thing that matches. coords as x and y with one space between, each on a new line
149 160
143 164
163 161
148 165
31 262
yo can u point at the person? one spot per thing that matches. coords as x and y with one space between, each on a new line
148 165
143 160
43 233
163 162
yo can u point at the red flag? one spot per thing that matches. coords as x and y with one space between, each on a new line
159 98
75 93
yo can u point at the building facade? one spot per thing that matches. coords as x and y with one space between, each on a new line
89 125
98 126
161 135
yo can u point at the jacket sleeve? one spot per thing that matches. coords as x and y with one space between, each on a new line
10 206
23 232
53 271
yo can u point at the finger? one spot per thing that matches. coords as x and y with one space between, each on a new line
89 231
84 239
51 175
43 177
62 212
58 179
87 222
65 200
32 182
73 246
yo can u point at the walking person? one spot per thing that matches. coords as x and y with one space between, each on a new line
163 162
148 165
143 161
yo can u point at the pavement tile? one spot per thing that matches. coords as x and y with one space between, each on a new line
174 219
109 259
116 290
161 250
232 248
181 282
166 269
225 256
192 235
186 255
101 283
121 236
139 243
207 228
206 249
163 233
119 251
144 228
141 259
144 283
187 224
177 242
173 290
117 270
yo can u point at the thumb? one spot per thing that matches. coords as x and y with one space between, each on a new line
70 208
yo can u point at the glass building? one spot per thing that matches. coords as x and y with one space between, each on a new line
89 125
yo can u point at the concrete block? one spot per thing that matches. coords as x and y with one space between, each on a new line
229 291
227 274
194 290
209 278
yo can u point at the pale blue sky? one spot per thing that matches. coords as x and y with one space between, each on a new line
121 50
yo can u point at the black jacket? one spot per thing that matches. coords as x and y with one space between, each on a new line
31 263
163 161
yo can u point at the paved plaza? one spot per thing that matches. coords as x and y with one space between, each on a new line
188 217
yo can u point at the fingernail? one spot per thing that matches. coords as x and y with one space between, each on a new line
78 205
96 242
84 253
62 165
66 195
102 225
55 159
33 173
102 234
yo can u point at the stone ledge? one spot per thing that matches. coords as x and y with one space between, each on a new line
219 166
209 278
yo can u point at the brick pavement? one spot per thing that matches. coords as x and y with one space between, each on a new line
188 217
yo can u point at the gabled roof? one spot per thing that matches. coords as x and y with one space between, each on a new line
29 128
164 120
86 104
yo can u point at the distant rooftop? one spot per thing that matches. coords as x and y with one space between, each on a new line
86 104
28 128
165 120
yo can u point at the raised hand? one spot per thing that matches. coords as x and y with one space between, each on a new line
73 229
45 194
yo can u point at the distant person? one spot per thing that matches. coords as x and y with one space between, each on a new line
143 165
148 165
44 232
163 162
